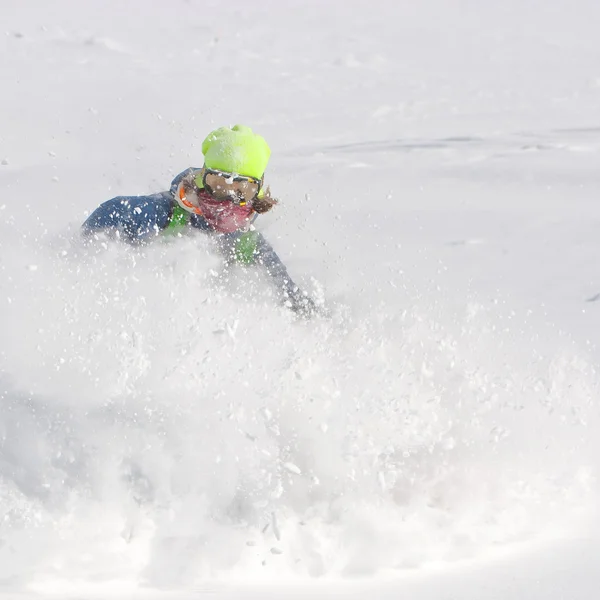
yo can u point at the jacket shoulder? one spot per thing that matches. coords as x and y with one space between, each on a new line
175 183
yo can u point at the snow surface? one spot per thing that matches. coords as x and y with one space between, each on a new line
167 434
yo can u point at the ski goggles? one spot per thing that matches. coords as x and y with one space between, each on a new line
229 186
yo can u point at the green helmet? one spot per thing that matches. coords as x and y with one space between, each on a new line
236 150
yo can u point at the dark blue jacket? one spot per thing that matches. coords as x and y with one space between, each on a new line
139 219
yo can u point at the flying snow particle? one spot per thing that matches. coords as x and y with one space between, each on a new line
292 468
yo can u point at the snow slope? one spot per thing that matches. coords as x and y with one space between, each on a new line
167 433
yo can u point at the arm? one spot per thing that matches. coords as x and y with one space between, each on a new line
132 218
251 248
289 293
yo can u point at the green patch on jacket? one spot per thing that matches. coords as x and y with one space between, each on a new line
178 221
246 247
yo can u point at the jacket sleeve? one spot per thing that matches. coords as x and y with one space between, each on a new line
289 293
132 218
251 247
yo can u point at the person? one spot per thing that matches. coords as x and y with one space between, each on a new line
221 199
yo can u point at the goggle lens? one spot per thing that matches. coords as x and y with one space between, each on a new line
229 186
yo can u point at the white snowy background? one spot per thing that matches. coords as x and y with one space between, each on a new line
167 434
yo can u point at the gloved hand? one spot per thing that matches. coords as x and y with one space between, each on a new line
303 305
